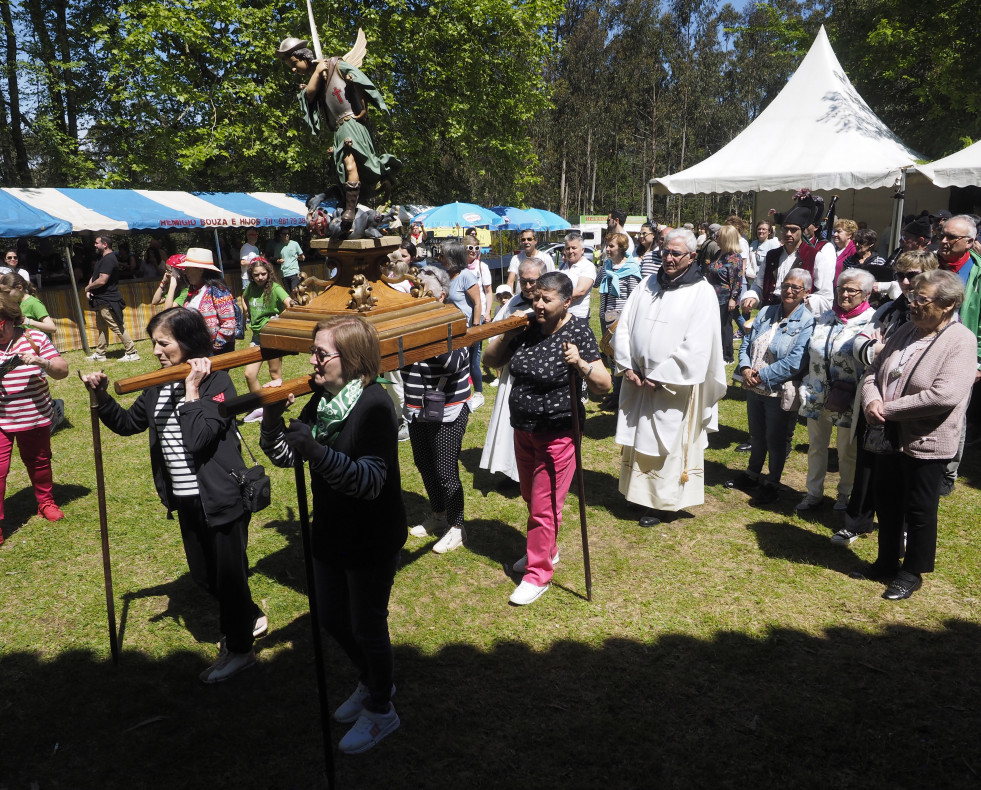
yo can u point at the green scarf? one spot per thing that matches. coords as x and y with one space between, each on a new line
332 413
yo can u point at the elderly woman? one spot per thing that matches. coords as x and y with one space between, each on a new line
828 393
616 280
193 451
865 257
347 432
860 514
771 356
725 273
917 390
208 294
759 247
464 290
26 409
844 230
437 408
539 359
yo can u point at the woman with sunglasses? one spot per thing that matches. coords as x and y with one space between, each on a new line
829 390
348 434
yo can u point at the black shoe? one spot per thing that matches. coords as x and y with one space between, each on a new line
903 586
766 495
610 403
649 520
742 481
946 487
873 572
745 447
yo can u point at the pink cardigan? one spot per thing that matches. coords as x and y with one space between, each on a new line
930 414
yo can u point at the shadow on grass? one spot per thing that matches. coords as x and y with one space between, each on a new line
675 712
21 507
784 540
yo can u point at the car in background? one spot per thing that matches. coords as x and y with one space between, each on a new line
554 251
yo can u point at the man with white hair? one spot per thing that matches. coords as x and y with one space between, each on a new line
577 267
673 379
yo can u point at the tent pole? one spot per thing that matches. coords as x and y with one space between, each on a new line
897 218
218 250
78 304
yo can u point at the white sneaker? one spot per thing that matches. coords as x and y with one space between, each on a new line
349 710
526 593
134 357
494 383
260 627
253 416
404 432
228 665
841 503
476 401
436 522
369 729
809 503
453 539
522 565
97 357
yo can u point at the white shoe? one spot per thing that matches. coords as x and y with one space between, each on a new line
841 503
453 539
369 729
253 416
260 627
404 432
351 708
494 383
134 357
522 565
97 357
228 665
476 401
526 593
436 522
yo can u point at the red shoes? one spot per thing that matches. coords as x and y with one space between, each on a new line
50 511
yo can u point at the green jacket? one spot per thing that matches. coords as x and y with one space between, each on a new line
971 309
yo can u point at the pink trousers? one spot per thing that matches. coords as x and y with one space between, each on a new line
34 445
546 465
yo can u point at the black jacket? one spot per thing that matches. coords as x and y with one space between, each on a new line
211 440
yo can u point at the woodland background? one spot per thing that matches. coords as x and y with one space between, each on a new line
570 106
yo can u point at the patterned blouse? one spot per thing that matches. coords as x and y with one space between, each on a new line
725 275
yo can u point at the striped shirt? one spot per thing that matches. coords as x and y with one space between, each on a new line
650 263
25 401
176 459
426 375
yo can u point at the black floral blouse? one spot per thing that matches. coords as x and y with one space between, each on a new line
539 399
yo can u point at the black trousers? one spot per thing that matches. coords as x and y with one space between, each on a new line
218 563
354 610
436 452
907 495
725 316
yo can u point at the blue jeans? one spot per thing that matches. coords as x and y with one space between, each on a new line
354 610
771 430
475 376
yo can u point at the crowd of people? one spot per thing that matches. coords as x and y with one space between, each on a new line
885 351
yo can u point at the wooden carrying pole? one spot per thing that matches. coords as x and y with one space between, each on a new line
580 483
100 483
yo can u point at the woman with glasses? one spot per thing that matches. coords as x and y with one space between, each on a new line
860 514
348 434
918 388
829 390
12 264
647 250
771 356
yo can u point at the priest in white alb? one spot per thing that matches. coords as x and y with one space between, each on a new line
498 452
670 354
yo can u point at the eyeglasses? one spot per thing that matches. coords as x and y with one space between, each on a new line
952 237
524 240
473 248
323 356
525 281
848 291
907 275
794 289
674 253
921 301
11 257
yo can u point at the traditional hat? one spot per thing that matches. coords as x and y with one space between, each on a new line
919 227
200 258
806 211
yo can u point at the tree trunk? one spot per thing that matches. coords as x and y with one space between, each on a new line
50 61
19 166
563 197
64 53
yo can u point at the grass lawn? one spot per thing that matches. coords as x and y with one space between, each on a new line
729 649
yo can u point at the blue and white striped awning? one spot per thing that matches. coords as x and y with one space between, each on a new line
55 212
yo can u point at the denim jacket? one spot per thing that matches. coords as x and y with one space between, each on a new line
787 346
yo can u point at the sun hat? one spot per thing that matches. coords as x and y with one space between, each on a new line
200 258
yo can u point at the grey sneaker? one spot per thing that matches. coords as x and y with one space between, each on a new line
227 665
349 710
97 357
368 730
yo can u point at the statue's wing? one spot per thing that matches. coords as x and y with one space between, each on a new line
356 56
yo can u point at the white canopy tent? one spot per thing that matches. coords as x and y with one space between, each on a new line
962 169
817 133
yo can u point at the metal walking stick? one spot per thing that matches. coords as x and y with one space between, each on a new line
100 484
318 648
580 484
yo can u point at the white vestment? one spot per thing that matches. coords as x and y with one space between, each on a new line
668 336
498 452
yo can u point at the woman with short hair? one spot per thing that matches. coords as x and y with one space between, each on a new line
829 390
917 392
844 230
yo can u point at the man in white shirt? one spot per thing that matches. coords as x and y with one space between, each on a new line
582 273
249 251
614 224
529 249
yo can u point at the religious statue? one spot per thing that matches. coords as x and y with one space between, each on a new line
337 96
